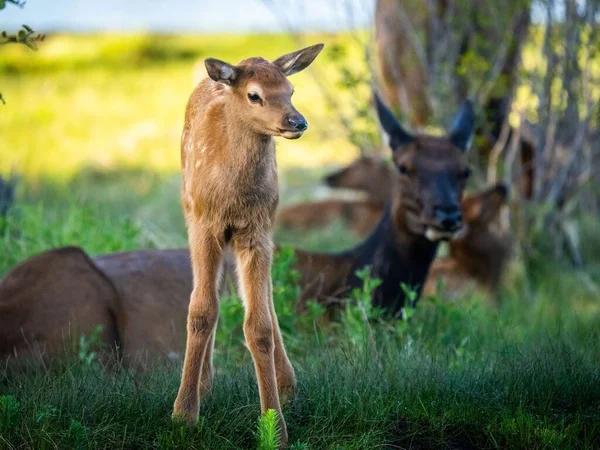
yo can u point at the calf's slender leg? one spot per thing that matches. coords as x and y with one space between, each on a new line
286 378
202 319
253 256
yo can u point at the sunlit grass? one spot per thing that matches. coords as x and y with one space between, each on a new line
114 101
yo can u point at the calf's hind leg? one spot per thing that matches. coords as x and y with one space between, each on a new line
202 319
254 267
286 378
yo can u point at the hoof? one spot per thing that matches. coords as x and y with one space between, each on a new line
184 415
287 392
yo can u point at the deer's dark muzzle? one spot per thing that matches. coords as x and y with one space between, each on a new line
448 218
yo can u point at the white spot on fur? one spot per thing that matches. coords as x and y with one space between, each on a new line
434 235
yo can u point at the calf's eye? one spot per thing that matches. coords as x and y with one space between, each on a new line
254 97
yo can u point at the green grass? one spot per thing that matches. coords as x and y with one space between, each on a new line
93 124
457 375
543 395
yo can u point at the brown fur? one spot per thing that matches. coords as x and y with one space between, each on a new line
360 216
42 310
230 194
372 176
479 258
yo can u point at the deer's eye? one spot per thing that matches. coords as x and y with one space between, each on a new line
254 97
404 169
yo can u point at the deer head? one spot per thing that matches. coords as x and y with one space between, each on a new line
432 173
260 92
480 210
366 174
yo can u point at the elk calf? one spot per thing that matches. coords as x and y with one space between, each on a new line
230 194
478 257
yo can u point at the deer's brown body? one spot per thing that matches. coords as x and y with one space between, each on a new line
366 174
140 298
477 259
229 198
360 215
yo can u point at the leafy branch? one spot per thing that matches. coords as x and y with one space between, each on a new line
25 36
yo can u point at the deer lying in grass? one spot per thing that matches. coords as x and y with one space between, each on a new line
476 259
368 175
424 209
230 194
360 215
140 298
365 174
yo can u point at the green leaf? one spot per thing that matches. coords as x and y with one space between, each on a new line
269 434
2 4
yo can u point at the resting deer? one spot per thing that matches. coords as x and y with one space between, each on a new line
478 258
360 215
424 209
140 298
368 175
230 195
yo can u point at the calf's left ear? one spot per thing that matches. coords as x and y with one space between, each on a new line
463 126
299 60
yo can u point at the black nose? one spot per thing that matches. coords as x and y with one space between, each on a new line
297 122
331 180
449 218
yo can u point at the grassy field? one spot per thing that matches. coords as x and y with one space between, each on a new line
92 123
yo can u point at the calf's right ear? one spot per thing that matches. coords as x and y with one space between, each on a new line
220 71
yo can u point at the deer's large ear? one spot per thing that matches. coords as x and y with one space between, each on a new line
397 135
299 60
485 206
220 71
463 126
